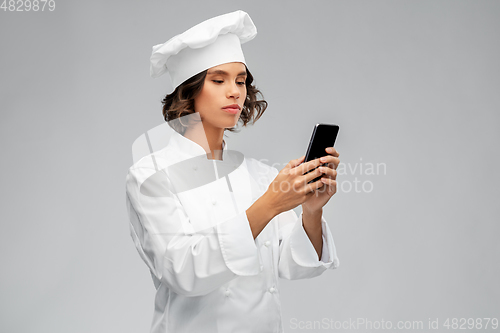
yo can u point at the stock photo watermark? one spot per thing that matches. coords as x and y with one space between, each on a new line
352 177
419 325
363 170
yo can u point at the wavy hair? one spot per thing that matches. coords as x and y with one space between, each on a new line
181 102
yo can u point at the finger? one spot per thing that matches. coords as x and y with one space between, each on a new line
328 181
310 194
328 172
332 151
334 161
308 166
316 186
312 175
330 184
296 162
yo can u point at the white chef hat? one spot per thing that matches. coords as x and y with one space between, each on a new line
213 42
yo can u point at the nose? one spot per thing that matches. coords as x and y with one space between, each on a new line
233 91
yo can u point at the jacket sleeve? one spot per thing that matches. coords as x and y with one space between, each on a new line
298 258
189 263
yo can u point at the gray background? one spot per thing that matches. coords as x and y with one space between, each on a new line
413 84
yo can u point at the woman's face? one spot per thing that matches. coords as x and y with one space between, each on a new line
223 94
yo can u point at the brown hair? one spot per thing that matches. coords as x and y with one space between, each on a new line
181 102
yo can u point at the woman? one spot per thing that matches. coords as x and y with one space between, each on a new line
217 229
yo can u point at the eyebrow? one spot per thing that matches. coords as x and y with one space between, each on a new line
221 72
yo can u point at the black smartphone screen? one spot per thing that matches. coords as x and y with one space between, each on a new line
323 136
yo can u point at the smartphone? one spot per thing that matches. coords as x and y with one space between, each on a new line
323 136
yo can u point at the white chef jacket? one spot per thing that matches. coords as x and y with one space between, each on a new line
210 274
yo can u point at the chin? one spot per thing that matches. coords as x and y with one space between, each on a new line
231 125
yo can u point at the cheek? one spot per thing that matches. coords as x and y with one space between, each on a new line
201 100
207 96
244 93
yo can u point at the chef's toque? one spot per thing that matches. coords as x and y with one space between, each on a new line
213 42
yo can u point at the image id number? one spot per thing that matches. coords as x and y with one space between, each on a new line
28 5
470 323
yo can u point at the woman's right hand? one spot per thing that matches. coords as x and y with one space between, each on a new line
290 188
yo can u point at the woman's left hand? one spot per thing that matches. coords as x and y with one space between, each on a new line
323 194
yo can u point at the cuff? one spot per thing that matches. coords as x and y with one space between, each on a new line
303 251
238 245
325 255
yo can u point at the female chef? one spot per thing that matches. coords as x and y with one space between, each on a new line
216 229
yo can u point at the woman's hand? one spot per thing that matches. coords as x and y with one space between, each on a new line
290 188
321 196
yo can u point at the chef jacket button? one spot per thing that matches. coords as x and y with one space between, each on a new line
214 202
267 243
227 293
195 167
261 267
335 263
272 290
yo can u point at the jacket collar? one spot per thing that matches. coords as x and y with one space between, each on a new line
189 148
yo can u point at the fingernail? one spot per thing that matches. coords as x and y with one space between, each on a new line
322 159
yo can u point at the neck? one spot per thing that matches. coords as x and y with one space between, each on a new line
209 138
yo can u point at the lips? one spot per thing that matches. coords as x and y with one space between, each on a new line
233 108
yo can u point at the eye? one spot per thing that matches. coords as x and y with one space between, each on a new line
218 81
242 83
